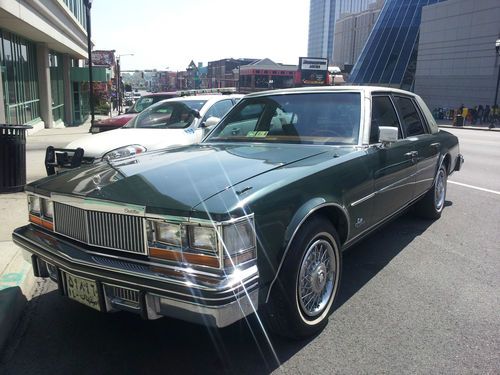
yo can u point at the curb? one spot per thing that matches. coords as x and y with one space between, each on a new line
483 128
16 285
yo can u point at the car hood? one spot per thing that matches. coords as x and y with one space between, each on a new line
119 120
96 145
173 182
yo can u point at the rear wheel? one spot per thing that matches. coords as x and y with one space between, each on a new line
308 283
432 204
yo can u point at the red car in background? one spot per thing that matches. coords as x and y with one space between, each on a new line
140 105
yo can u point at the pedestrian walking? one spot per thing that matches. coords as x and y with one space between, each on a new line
480 113
486 116
473 115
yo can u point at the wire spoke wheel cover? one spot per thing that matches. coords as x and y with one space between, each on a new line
317 277
440 190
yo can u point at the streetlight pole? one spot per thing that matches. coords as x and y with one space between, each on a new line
495 105
88 5
119 81
497 47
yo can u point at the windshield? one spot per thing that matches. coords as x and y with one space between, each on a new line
141 104
318 118
168 115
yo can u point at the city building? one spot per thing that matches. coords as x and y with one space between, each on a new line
322 17
40 42
457 62
389 56
351 33
220 72
265 74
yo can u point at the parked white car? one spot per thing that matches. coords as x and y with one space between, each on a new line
172 122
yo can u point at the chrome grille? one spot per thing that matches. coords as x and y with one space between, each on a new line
70 221
126 294
109 230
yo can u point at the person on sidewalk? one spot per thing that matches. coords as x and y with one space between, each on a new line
486 116
495 113
480 114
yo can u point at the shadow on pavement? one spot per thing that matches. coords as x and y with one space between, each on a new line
12 303
61 336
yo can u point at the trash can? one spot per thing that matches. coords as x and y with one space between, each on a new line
12 157
459 120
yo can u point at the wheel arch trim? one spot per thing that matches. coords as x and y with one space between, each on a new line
302 214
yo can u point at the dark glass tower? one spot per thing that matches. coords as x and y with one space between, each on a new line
389 57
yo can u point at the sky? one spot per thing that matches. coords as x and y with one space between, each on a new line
168 34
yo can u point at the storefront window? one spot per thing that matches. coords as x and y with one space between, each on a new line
56 85
19 77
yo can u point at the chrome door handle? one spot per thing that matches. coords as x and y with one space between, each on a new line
412 154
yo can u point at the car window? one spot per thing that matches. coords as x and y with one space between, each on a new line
410 119
324 118
141 104
383 114
165 115
219 109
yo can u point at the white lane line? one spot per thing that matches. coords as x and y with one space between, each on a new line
475 187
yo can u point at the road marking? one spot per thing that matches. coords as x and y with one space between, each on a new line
475 187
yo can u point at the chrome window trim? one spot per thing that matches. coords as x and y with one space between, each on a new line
313 210
359 201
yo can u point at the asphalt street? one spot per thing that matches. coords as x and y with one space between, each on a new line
416 297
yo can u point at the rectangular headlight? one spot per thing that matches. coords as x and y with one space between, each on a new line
203 238
34 205
47 208
169 234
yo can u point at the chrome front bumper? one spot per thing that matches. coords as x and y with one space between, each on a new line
151 290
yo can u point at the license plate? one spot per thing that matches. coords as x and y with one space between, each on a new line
83 291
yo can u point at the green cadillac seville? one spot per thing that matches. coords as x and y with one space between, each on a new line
252 220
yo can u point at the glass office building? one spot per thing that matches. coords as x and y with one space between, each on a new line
389 57
322 17
39 43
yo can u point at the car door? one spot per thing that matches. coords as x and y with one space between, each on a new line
218 109
396 164
424 143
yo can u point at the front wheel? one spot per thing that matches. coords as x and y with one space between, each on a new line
308 282
432 204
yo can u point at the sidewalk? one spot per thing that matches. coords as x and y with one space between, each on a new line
449 124
16 276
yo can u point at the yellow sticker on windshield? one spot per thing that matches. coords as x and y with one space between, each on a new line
255 134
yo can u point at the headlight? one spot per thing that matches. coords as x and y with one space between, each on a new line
34 205
203 238
47 208
41 211
169 234
224 245
123 152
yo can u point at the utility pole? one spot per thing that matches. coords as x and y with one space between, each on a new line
88 5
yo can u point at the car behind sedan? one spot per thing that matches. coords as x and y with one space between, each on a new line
174 122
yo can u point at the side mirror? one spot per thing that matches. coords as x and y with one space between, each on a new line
388 134
211 121
195 113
